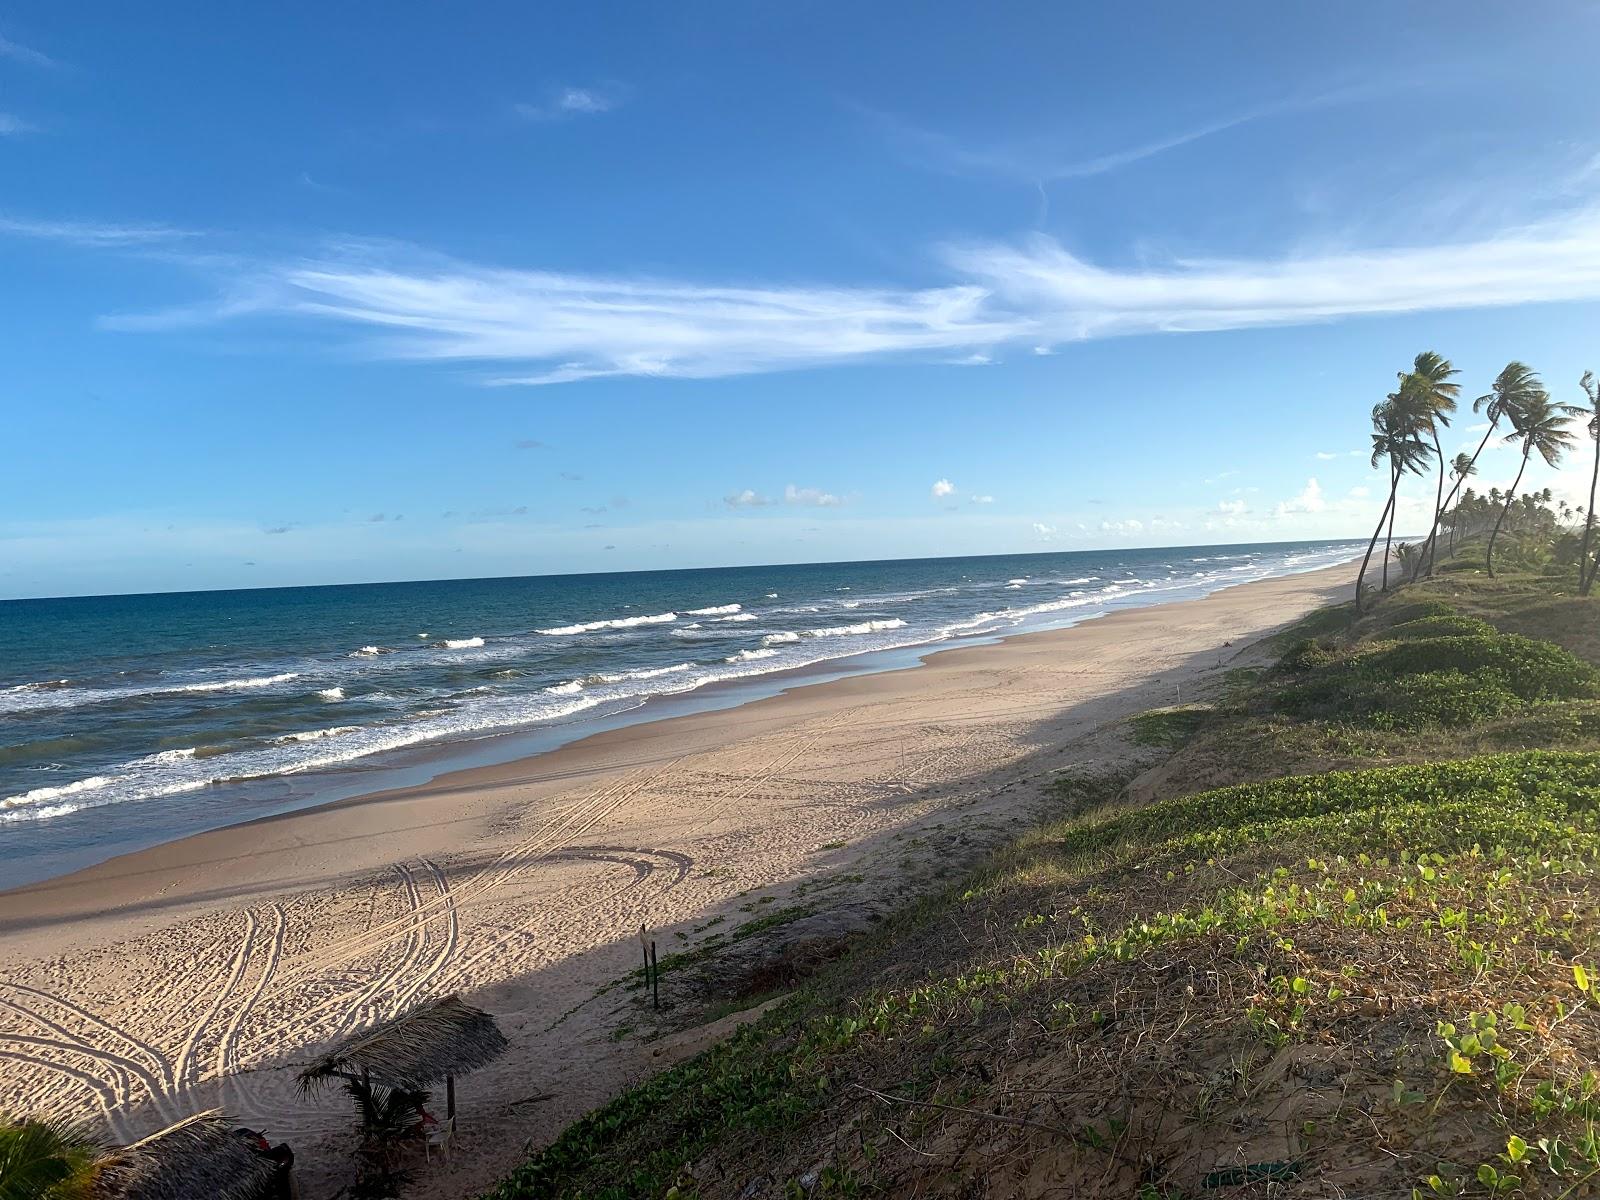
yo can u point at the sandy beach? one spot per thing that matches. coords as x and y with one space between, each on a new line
198 973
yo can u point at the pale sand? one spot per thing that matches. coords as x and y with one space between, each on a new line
196 973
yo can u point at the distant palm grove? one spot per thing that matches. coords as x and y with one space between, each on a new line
1407 438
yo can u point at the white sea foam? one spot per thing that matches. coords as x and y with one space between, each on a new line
30 698
715 610
863 627
651 673
316 735
60 791
471 643
570 688
333 693
368 652
778 639
1016 581
750 655
617 623
743 616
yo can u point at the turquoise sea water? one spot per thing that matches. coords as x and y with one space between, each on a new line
131 719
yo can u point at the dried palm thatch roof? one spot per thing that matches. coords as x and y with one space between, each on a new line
199 1156
415 1050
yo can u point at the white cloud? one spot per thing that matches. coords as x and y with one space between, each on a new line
1122 527
12 125
943 488
565 102
981 499
560 327
1360 492
1044 532
1044 351
1310 500
973 360
749 498
1233 508
79 233
24 54
815 497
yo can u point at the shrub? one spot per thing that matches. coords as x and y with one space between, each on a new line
1533 670
1308 655
1453 625
1514 800
1453 680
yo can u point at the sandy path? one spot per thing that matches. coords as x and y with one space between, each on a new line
199 972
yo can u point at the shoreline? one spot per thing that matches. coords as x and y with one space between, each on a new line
227 956
422 767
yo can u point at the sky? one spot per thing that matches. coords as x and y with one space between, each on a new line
309 294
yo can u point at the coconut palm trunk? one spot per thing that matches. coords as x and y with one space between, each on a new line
1511 498
1361 577
1438 506
1585 569
1388 541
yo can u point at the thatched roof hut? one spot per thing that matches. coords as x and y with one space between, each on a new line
438 1040
200 1156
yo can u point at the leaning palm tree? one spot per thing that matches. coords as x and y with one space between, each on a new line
1511 390
1395 439
1539 425
1462 468
1435 399
1586 571
42 1159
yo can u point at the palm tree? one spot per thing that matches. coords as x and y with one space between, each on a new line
1585 570
1395 438
1462 468
45 1160
1540 424
1435 398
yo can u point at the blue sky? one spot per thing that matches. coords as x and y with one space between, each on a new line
303 294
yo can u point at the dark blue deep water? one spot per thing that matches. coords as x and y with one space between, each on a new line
129 719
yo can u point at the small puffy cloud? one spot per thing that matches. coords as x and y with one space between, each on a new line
1043 532
1123 527
1233 508
1044 351
814 497
943 488
749 498
981 499
564 103
1310 500
1330 455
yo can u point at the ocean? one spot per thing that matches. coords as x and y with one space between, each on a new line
129 720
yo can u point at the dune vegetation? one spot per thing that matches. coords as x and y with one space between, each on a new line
1343 940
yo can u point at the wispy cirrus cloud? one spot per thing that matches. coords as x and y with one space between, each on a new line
12 125
544 327
17 52
93 234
